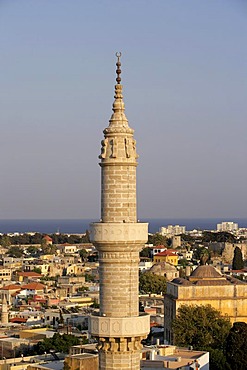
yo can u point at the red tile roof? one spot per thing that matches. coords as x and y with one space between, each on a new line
242 270
11 287
168 252
157 247
33 286
28 274
18 320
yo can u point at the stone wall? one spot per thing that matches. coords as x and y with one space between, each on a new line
228 251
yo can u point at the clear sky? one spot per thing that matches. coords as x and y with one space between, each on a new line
185 90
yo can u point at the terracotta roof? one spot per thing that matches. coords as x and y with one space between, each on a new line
242 270
18 319
168 252
33 286
47 238
11 287
28 274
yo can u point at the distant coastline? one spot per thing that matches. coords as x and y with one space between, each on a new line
79 226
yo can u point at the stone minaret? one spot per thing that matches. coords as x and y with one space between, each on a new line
118 238
4 313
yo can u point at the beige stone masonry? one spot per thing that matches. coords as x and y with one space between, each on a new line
105 233
116 327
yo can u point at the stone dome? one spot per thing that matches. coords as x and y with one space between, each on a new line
162 267
165 269
205 272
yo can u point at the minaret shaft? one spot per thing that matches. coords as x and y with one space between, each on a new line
4 314
118 193
118 238
118 287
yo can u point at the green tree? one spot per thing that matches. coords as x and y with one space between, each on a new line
157 239
236 346
204 328
5 241
202 254
74 239
60 343
237 263
145 252
83 254
218 360
15 251
36 238
33 251
223 236
20 239
37 269
150 283
183 262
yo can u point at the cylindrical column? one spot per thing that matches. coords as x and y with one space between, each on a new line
119 284
118 193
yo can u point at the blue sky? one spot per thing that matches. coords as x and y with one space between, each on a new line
185 91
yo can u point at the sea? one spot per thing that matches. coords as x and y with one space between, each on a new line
79 226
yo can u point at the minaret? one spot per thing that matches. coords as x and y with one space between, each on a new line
4 313
119 328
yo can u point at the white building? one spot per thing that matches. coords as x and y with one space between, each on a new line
171 357
145 265
227 226
171 230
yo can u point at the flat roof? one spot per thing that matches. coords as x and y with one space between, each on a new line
178 358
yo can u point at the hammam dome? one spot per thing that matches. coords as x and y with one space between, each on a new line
205 271
165 269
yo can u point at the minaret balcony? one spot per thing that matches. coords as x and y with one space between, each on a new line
119 232
138 326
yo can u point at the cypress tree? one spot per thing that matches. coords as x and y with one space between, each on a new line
236 346
237 263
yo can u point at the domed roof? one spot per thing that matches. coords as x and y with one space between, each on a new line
162 267
205 271
181 281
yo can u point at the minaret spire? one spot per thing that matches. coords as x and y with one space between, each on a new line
118 118
118 237
118 64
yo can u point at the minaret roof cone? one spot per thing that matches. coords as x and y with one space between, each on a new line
118 118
